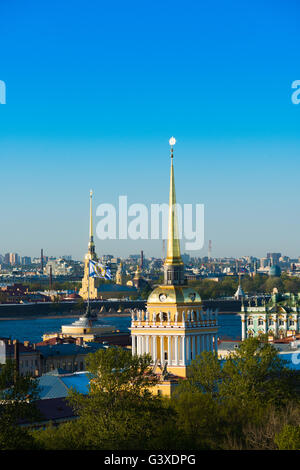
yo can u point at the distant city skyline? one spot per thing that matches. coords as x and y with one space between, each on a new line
135 253
93 102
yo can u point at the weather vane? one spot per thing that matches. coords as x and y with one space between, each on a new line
172 142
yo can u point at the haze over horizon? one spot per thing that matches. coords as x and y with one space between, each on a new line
95 93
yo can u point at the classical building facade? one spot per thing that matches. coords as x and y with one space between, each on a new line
174 328
277 317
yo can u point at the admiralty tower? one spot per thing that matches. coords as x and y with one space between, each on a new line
174 328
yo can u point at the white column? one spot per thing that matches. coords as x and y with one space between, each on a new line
133 345
193 347
176 350
142 345
206 342
154 348
244 320
188 349
202 342
147 345
169 351
162 349
183 341
198 345
216 343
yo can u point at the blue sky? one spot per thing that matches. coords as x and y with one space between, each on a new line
94 91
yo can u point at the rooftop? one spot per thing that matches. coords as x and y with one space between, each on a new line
69 349
57 385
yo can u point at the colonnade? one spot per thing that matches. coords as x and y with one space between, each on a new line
177 350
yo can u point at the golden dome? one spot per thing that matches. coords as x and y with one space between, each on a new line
164 295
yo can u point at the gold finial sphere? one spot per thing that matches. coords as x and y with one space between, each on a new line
172 141
91 193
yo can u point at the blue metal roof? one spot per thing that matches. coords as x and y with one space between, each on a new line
79 382
58 386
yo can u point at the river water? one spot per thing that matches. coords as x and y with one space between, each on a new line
33 329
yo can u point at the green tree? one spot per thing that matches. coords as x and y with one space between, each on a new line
256 370
120 412
288 438
218 398
17 397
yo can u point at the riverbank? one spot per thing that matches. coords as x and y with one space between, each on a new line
61 316
104 308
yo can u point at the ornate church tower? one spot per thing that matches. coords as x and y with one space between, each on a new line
119 274
89 283
174 328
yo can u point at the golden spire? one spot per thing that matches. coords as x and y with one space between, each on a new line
173 250
91 215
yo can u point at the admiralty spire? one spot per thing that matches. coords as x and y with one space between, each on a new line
173 266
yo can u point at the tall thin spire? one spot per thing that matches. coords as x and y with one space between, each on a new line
173 247
173 266
91 238
91 214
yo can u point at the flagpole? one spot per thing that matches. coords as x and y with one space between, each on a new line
89 289
88 304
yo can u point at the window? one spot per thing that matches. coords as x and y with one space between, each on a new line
260 322
250 321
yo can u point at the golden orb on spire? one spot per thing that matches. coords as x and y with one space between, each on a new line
172 141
